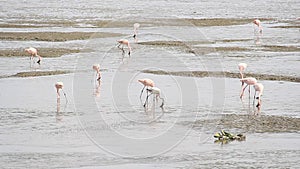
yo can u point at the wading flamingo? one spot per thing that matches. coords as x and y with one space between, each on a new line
96 67
258 24
123 42
156 92
33 52
135 30
59 86
249 81
147 83
258 88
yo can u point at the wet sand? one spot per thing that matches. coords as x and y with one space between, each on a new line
207 49
56 52
44 52
54 36
287 27
199 22
253 124
37 73
277 48
223 22
128 22
225 74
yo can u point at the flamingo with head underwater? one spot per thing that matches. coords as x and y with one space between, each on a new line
123 42
259 88
147 83
33 52
258 24
156 92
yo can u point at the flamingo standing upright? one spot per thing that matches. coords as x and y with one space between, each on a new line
123 42
33 52
258 24
58 86
135 30
96 67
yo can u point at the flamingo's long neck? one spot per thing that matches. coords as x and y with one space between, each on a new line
242 75
135 31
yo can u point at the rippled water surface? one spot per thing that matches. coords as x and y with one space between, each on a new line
107 126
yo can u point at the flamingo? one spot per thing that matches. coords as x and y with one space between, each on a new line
58 86
33 52
147 83
249 81
96 67
242 67
124 42
156 92
257 23
135 29
258 88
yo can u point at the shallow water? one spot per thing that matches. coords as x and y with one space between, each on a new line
107 126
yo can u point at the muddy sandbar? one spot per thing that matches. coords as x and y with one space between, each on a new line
44 52
39 73
277 48
287 26
149 22
54 36
224 74
253 123
191 48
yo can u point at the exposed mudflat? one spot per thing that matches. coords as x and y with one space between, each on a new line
253 124
225 74
128 23
277 48
37 73
191 48
44 52
54 36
